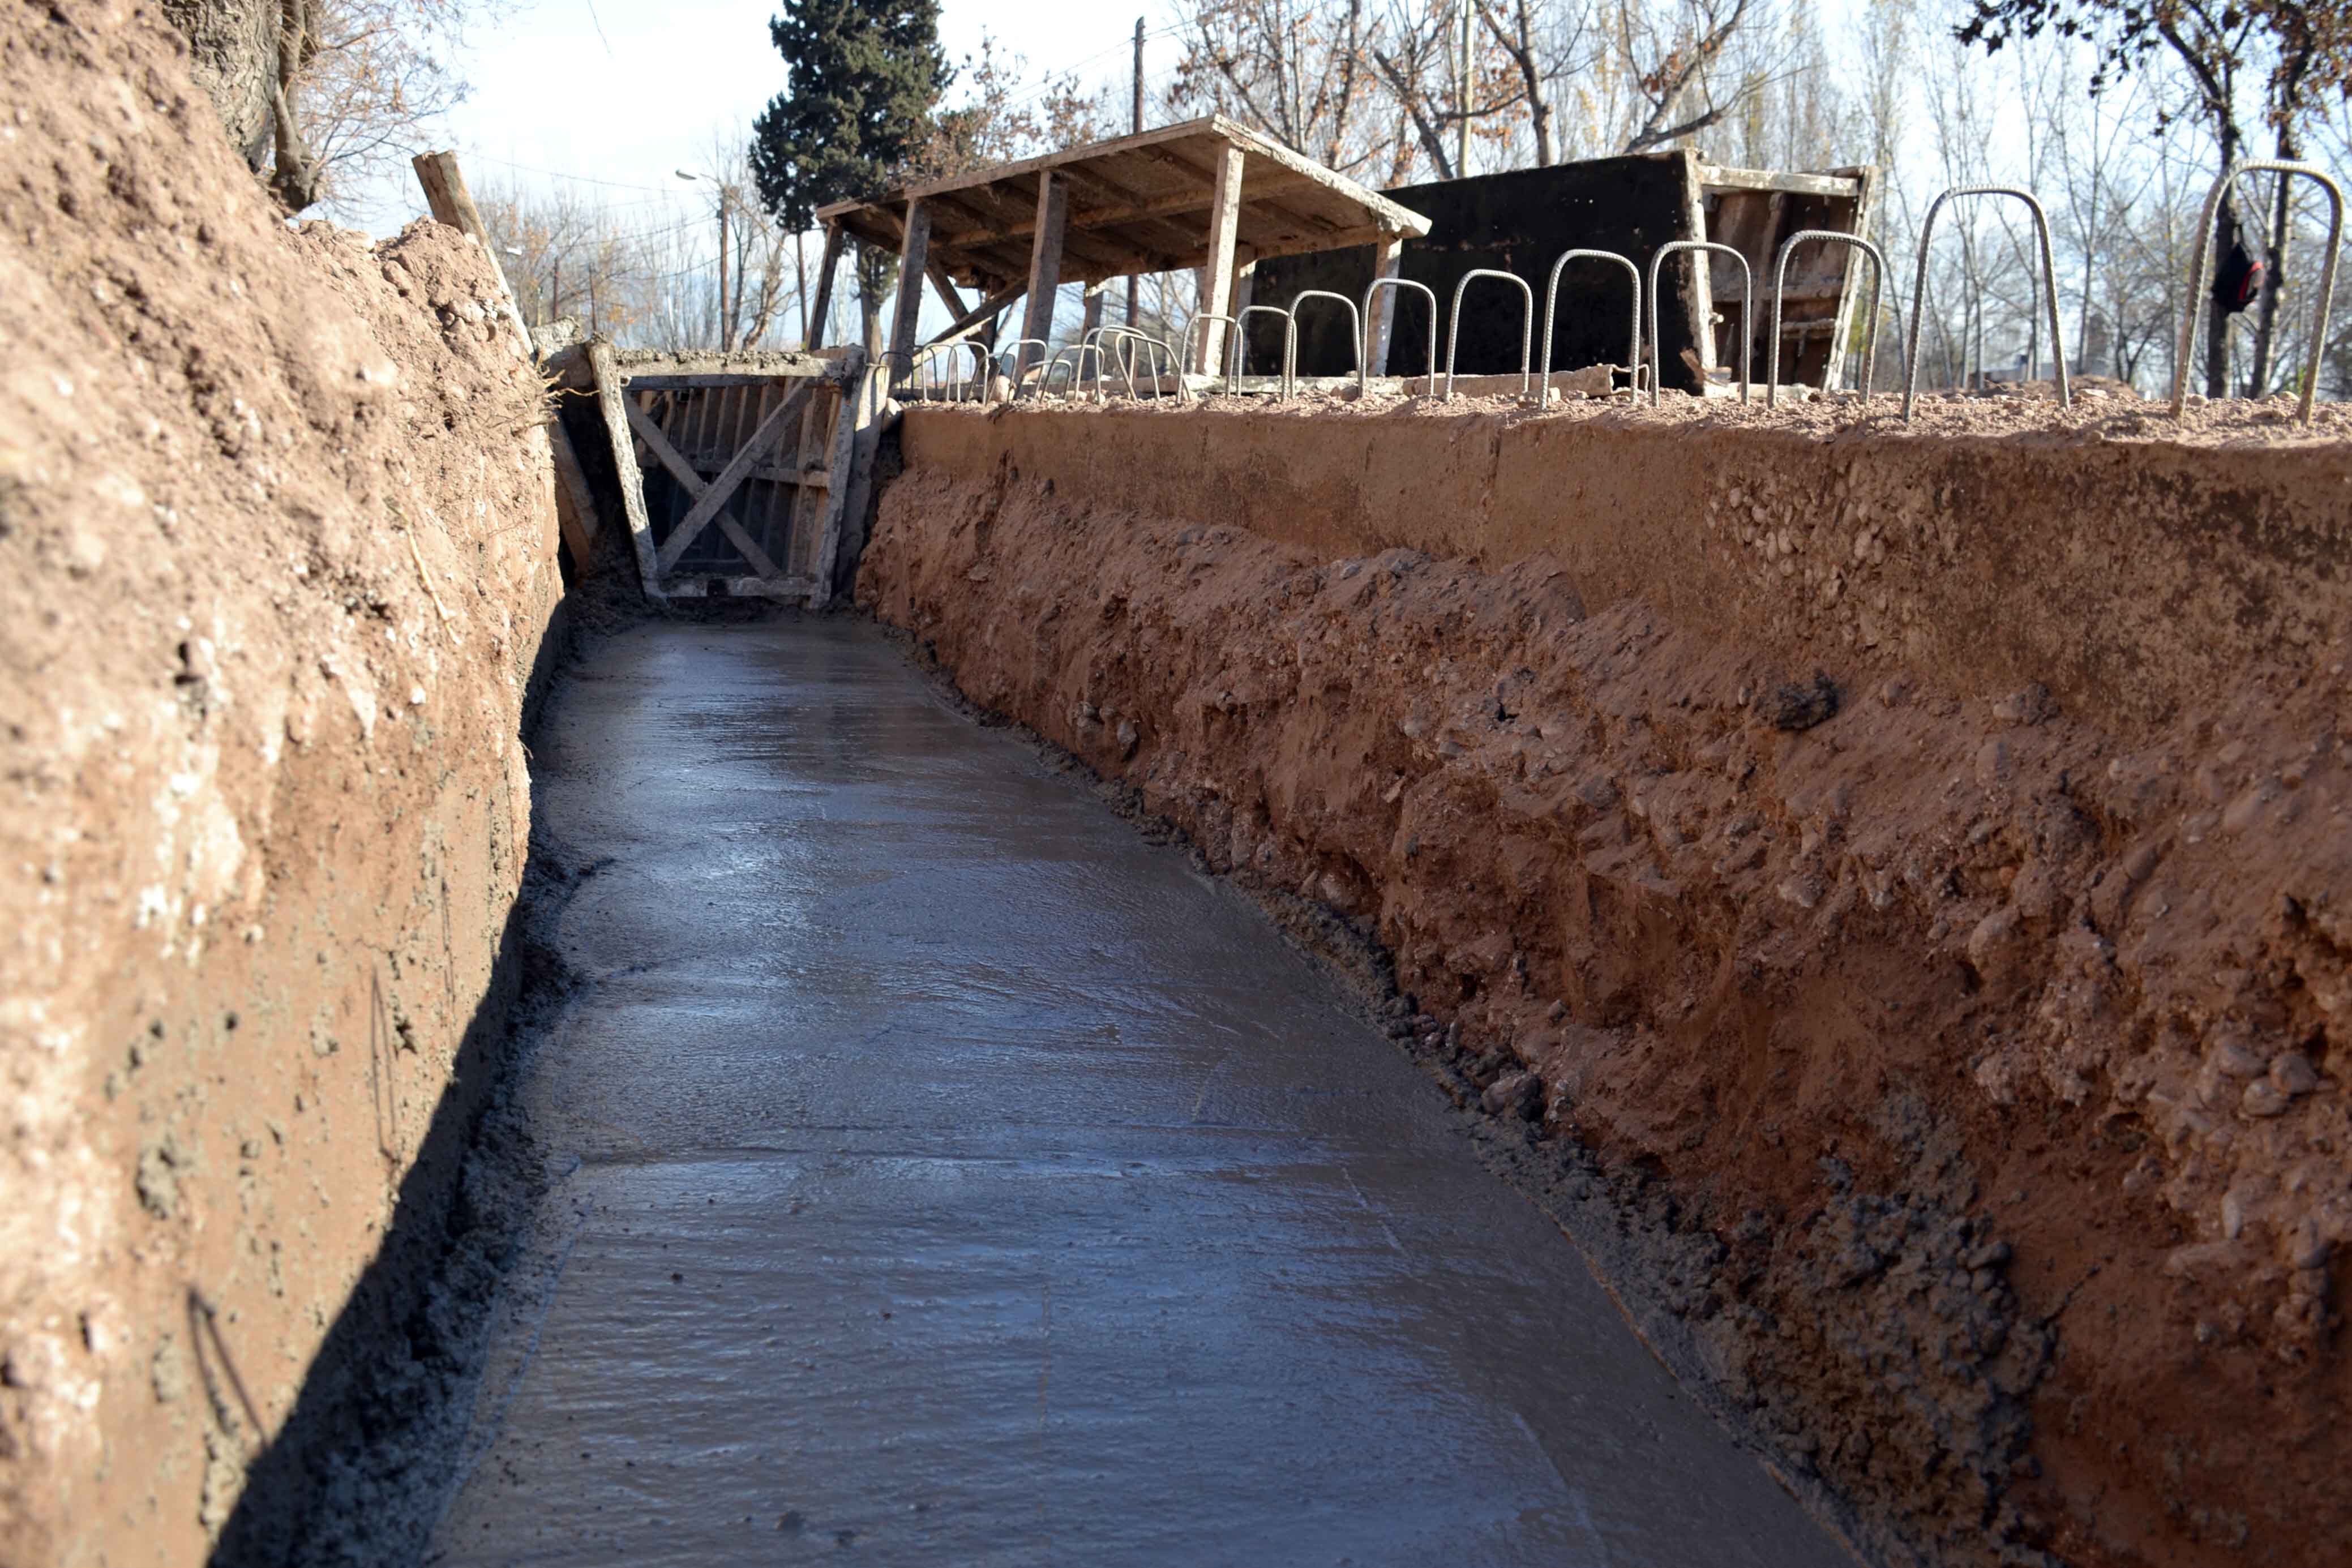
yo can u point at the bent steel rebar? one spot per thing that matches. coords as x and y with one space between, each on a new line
1017 349
1134 344
1551 304
2200 269
1290 337
1780 282
1527 324
1920 289
1747 312
1364 360
1231 356
1075 353
1246 311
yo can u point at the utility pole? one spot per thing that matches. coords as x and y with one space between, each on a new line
724 324
1462 133
1135 281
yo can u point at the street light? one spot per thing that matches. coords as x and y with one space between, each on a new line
720 313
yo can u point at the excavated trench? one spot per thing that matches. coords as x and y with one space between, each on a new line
1881 891
1899 875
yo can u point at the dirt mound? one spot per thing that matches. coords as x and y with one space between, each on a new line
277 559
1979 1059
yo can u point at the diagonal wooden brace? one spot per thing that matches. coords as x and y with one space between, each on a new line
708 503
671 458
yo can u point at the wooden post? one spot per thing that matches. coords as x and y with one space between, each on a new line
1045 255
813 329
1217 272
914 266
1094 303
1387 260
609 393
453 203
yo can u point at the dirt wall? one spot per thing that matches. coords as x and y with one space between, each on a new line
277 568
1913 863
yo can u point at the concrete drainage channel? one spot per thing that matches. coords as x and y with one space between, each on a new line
1878 888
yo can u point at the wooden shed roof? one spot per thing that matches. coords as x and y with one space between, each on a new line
1137 204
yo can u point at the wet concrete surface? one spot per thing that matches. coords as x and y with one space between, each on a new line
949 1177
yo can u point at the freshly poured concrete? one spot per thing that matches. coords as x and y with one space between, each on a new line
960 1180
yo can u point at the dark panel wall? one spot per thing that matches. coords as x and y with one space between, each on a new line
1519 223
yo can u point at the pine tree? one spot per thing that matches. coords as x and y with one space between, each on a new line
863 77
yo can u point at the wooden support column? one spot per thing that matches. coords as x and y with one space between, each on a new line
812 330
1045 255
609 393
914 266
1388 259
1217 272
1094 303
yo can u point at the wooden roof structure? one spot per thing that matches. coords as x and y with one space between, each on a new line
1136 203
1208 194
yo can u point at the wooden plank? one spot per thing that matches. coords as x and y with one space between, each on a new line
1217 271
707 504
1092 299
832 517
1698 294
575 503
658 443
1850 286
985 311
625 464
764 364
1045 257
822 305
1388 259
1207 129
914 266
1716 176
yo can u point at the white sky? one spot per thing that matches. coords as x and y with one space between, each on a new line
627 91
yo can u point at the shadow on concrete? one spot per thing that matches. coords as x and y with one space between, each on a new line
362 1459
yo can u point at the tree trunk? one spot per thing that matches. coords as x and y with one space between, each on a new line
233 56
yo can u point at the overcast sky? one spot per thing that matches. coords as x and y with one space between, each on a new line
627 91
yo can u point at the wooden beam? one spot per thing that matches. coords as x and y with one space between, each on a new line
1714 176
738 468
1217 272
1045 255
610 401
857 426
1093 299
1388 259
946 286
575 503
914 266
986 311
822 305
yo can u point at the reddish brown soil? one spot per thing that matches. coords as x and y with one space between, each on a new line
1982 1057
277 556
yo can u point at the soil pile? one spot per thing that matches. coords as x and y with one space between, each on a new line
1971 1058
276 561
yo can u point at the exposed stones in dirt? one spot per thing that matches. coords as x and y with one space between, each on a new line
1965 1068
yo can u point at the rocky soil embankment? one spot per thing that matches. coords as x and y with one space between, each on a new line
1972 1066
278 566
